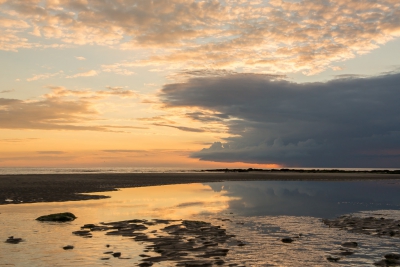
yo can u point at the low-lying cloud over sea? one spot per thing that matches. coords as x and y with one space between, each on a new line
348 122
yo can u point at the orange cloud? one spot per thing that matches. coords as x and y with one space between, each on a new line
276 36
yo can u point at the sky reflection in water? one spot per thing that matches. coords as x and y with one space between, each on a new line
306 198
259 213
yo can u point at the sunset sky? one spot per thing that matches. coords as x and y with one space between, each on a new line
200 84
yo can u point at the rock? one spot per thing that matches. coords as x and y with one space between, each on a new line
105 258
145 264
68 247
89 225
369 226
387 262
241 243
332 258
287 240
57 217
393 256
350 244
84 233
346 253
116 254
14 240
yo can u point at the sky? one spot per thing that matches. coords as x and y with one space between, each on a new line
200 84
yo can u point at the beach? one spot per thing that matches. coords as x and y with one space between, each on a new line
201 219
32 188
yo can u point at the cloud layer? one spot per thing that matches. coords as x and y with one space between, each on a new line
61 109
351 122
306 35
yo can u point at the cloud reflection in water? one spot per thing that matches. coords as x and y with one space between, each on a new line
306 198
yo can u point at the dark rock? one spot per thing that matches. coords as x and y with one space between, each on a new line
287 240
68 247
57 217
145 264
350 244
332 258
116 254
394 256
90 225
346 253
105 258
84 233
14 240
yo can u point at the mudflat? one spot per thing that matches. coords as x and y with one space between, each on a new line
31 188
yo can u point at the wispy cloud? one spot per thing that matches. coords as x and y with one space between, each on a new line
6 91
89 73
276 36
80 58
49 152
43 76
18 140
182 128
62 109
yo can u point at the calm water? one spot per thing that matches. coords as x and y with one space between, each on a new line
260 214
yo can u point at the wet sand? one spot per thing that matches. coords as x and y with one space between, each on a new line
31 188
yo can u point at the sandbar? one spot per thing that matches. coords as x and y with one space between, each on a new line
32 188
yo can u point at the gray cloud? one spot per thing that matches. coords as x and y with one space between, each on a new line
182 128
49 152
352 122
6 91
124 151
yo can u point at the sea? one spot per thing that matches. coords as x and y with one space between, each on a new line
257 213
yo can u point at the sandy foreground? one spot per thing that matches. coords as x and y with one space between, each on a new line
33 188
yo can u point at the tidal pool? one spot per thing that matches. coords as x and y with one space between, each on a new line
258 213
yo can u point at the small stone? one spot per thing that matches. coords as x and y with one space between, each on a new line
332 258
219 262
57 217
116 254
84 233
68 247
394 256
287 240
13 240
350 244
90 225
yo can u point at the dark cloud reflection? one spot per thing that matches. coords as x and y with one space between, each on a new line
317 199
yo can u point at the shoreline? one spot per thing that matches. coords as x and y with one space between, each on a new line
34 188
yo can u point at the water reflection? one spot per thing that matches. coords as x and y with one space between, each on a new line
305 198
262 213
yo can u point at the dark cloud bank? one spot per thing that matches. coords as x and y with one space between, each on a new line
352 122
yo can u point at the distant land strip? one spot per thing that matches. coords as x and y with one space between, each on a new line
305 171
31 188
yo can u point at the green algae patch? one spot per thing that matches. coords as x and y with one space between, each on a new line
57 217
